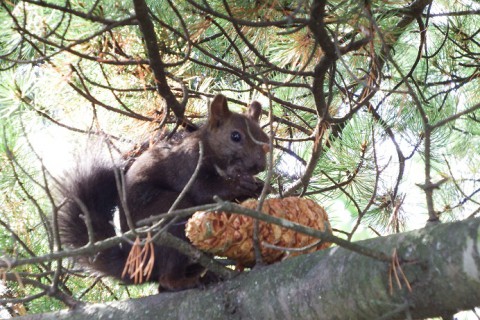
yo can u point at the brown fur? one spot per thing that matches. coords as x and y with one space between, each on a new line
234 151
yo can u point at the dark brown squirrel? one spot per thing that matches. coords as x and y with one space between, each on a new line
234 148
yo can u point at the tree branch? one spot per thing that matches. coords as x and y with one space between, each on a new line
313 287
155 61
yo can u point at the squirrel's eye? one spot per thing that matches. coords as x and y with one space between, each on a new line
235 136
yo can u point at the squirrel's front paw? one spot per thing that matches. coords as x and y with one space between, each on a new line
249 186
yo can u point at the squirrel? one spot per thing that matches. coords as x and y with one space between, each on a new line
234 150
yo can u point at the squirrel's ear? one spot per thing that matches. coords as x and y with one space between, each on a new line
255 111
218 111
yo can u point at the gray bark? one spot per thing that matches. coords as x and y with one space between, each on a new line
441 263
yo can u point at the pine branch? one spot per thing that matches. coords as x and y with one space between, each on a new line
155 60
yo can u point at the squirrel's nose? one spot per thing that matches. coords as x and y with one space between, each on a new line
266 147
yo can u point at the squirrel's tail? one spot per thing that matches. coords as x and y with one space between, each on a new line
92 189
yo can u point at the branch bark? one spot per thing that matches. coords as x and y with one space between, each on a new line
441 265
155 60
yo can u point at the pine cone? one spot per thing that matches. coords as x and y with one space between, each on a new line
230 235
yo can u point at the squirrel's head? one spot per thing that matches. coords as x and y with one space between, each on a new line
236 140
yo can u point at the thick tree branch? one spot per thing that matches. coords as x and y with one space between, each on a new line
436 272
